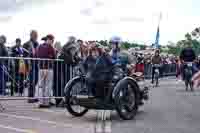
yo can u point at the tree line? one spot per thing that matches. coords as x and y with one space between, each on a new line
192 38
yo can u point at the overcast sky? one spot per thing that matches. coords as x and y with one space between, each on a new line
134 20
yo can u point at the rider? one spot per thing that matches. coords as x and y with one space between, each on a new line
156 60
120 56
187 55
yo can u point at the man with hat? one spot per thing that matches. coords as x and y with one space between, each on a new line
46 51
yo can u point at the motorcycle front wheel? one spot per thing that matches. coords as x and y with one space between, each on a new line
70 99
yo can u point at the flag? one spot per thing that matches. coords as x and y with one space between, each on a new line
156 44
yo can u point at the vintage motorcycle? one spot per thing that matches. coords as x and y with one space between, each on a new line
156 74
188 73
122 94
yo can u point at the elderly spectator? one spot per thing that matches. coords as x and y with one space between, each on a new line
70 51
31 47
46 51
3 53
69 54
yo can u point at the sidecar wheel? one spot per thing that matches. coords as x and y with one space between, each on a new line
127 99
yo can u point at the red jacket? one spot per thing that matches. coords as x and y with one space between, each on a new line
46 51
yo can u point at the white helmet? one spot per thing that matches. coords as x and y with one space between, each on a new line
116 39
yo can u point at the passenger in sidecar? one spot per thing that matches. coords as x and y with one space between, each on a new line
97 69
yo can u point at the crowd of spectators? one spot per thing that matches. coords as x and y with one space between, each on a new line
51 76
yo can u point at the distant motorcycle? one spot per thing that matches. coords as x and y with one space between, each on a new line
156 74
188 73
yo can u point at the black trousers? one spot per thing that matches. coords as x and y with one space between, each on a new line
33 78
17 83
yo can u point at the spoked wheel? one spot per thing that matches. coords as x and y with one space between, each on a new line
157 79
126 100
188 77
71 99
157 82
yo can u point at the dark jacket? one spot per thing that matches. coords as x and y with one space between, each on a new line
69 53
188 55
16 52
3 53
100 68
46 51
156 60
89 64
29 46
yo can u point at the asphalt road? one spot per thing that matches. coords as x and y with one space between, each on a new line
20 117
169 110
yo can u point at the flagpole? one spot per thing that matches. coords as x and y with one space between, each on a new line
158 29
159 19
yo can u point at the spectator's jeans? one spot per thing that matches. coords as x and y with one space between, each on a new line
2 79
45 85
33 77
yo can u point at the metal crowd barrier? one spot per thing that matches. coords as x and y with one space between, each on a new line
33 78
166 70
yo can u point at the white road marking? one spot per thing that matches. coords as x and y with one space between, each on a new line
51 111
103 124
56 112
108 122
17 129
36 119
98 124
